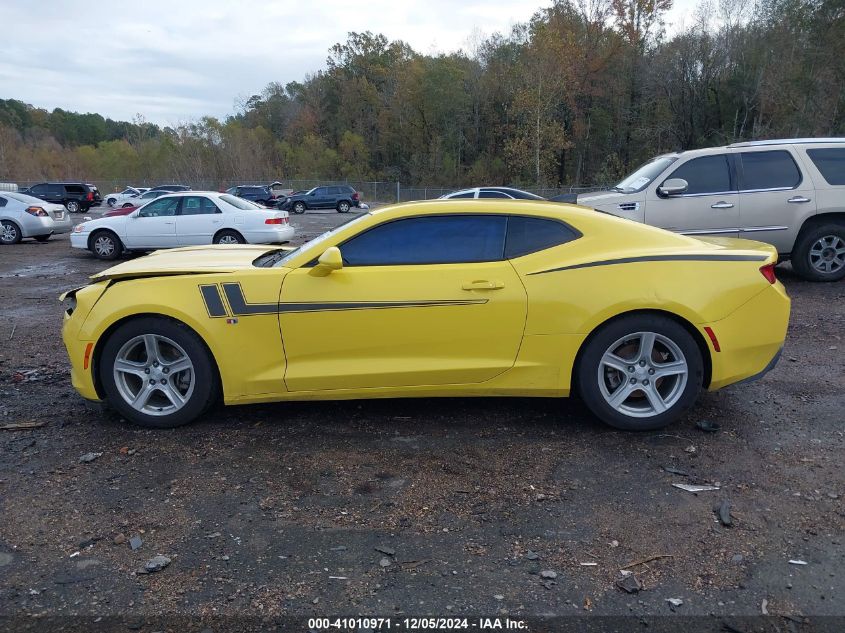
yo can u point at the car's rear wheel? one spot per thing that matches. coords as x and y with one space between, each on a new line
343 206
9 232
299 207
640 372
72 206
105 245
157 373
43 238
126 205
229 237
819 254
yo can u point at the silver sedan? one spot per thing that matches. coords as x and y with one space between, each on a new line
24 216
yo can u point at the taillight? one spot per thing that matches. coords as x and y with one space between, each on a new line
90 196
276 221
769 273
37 211
356 196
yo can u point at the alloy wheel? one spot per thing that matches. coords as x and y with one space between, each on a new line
827 254
104 246
8 233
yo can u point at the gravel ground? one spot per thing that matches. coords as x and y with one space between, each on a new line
420 507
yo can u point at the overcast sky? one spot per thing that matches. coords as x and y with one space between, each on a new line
173 61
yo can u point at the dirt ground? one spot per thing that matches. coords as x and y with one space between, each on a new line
442 507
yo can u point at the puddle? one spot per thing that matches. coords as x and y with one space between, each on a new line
48 269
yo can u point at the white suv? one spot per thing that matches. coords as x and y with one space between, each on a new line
789 193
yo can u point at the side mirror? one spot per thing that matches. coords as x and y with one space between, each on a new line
330 260
673 187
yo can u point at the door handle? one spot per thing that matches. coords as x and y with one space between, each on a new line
722 205
482 284
170 223
798 199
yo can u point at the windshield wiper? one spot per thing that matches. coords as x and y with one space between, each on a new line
619 189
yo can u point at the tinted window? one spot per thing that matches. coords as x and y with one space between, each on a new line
56 190
529 235
708 174
2 201
159 208
524 195
429 240
239 203
75 189
830 161
492 194
468 194
39 190
769 170
198 205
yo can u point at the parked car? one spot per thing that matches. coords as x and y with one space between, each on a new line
24 216
171 188
140 200
258 194
183 219
493 192
434 299
340 197
76 197
128 194
789 193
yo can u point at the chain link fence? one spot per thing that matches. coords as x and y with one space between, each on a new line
371 191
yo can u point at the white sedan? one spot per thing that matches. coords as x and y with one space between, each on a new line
130 195
24 216
183 219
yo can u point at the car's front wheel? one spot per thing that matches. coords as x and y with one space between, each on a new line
111 202
72 206
343 206
299 207
640 372
105 245
819 254
157 373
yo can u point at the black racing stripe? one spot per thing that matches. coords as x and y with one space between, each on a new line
659 258
240 306
213 300
370 305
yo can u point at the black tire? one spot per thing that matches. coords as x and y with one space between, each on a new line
72 206
683 395
105 245
343 206
111 202
815 249
298 207
127 204
42 238
205 387
10 233
225 236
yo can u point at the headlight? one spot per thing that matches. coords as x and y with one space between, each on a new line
79 228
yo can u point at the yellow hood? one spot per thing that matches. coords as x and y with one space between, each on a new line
186 261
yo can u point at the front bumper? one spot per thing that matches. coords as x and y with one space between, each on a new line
79 240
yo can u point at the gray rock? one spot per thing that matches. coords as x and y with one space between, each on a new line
675 602
385 562
498 596
5 559
89 457
629 584
548 573
384 549
156 563
85 563
532 555
135 542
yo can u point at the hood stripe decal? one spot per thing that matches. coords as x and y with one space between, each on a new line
239 306
658 258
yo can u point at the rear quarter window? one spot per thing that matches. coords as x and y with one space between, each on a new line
75 189
830 161
530 235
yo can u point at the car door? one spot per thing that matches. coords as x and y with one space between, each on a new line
774 197
320 199
38 191
154 225
57 194
419 301
710 204
198 220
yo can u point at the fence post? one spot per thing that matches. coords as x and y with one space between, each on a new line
397 192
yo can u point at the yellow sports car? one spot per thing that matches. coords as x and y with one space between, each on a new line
441 298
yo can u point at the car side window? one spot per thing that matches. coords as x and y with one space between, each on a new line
706 174
830 161
159 208
493 194
55 190
468 194
38 190
451 239
769 170
198 205
2 201
529 235
74 189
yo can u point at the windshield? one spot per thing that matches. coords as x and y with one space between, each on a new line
240 203
310 191
279 258
639 179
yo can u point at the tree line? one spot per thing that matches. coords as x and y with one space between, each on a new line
581 93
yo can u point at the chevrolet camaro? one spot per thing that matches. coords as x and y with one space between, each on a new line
440 298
